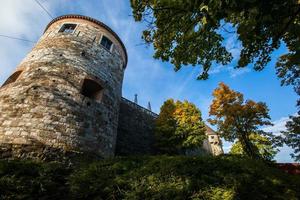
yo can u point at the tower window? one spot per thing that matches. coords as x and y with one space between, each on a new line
107 43
67 28
92 90
12 78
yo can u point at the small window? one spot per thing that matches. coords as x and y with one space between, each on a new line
67 28
12 78
92 90
212 137
106 42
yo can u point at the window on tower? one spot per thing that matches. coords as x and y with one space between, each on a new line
92 90
12 78
67 28
107 43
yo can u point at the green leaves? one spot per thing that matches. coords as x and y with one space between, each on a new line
186 32
182 33
179 127
262 143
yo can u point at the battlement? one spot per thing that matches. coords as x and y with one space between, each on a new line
141 108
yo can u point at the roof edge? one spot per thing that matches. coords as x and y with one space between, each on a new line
75 16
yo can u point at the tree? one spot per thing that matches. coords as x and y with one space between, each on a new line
263 144
166 127
292 135
179 127
237 119
192 32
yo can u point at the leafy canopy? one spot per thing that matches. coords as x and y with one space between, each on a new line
179 127
237 119
263 144
190 32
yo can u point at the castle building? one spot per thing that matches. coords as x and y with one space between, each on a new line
65 97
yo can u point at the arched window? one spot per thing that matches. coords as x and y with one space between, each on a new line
12 78
92 90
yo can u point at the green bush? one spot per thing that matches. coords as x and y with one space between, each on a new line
157 177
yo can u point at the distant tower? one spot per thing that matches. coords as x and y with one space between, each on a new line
149 106
136 98
65 95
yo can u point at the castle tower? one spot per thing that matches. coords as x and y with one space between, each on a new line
65 95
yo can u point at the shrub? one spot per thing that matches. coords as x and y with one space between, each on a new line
156 177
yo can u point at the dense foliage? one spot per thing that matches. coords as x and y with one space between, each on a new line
192 32
263 144
226 177
237 119
179 127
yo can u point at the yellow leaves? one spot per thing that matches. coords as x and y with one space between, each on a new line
234 117
225 100
204 21
180 125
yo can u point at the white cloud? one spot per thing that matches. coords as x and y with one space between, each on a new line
278 126
284 152
234 46
20 19
226 146
233 72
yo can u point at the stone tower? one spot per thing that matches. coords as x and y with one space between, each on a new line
64 97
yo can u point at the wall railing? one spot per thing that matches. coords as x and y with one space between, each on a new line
145 110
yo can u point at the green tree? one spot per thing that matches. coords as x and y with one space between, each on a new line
263 144
179 127
192 32
292 136
237 119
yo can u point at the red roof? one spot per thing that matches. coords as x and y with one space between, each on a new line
291 168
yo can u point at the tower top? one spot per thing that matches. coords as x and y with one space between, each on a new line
95 21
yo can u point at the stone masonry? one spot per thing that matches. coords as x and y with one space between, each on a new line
136 133
65 98
43 102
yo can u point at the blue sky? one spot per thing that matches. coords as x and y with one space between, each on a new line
152 80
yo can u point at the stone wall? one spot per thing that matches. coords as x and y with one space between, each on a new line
45 104
136 133
135 130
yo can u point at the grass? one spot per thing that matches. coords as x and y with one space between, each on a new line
154 177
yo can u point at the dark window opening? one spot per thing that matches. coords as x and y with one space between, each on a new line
92 90
67 28
106 42
12 78
212 137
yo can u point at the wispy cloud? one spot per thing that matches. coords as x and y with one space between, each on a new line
278 126
21 20
233 72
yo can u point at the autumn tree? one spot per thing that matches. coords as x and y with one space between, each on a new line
262 144
179 127
192 32
237 119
